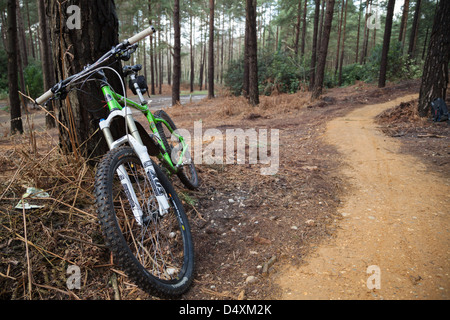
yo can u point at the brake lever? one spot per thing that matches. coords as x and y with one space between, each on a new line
125 54
60 91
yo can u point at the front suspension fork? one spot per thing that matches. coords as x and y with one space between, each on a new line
135 141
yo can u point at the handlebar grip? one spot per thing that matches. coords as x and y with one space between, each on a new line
141 35
45 97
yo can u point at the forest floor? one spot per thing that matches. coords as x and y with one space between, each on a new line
362 181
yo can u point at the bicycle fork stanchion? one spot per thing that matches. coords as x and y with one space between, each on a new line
141 150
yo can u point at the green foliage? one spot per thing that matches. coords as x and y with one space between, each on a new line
32 75
399 67
33 79
234 77
277 72
281 72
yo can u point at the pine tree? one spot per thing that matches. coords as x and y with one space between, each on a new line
386 43
322 59
176 54
74 49
14 101
252 59
435 74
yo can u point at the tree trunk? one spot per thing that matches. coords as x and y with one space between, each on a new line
202 58
314 46
365 36
152 64
33 54
321 62
343 45
21 37
73 50
322 14
302 48
176 54
211 51
386 43
160 52
14 100
435 73
4 30
414 28
191 43
46 59
336 68
245 85
404 22
169 55
358 32
297 27
253 90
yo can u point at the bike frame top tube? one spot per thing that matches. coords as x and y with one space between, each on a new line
117 101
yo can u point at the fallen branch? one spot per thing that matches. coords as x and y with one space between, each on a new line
69 293
46 111
26 250
430 135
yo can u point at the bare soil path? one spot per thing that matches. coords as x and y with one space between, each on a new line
395 221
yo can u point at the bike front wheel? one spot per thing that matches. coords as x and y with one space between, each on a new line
155 251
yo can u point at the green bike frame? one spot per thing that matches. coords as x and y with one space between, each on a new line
116 101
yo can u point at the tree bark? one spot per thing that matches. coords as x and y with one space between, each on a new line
318 85
322 14
386 43
314 46
14 100
302 48
33 53
73 50
414 28
343 45
358 32
191 44
176 54
338 50
435 74
46 59
404 22
297 27
21 37
253 90
245 85
211 51
152 64
365 36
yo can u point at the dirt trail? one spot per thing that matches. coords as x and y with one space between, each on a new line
395 217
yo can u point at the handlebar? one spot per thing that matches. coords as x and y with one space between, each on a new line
49 94
141 35
119 48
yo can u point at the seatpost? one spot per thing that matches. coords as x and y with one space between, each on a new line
138 90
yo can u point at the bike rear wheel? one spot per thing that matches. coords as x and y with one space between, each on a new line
187 173
156 252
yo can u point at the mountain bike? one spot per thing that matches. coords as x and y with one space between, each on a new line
141 216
